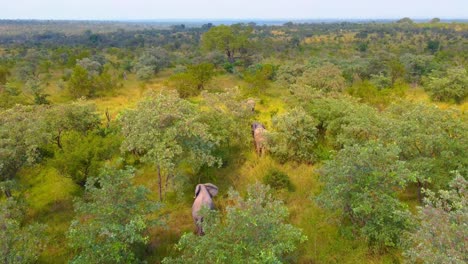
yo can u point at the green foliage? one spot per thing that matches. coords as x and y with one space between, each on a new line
451 86
4 74
80 117
89 84
111 219
259 76
80 83
228 115
277 180
165 130
193 80
83 155
343 121
361 183
432 141
151 62
37 90
441 235
19 243
255 228
294 136
22 137
326 79
228 39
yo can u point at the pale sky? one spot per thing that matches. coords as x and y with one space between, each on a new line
232 9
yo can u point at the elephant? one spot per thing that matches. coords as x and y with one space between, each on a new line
259 137
204 194
251 104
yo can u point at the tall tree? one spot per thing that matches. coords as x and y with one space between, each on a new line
361 182
165 130
228 39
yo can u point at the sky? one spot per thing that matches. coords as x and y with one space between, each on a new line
231 9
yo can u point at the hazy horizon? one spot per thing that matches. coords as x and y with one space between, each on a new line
184 10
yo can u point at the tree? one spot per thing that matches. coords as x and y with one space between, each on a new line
111 219
151 62
259 76
441 235
165 130
327 79
19 243
70 117
433 142
202 73
294 136
80 83
35 87
361 183
255 228
22 138
451 86
227 115
228 39
82 155
193 80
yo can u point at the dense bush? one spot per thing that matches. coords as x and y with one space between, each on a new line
277 179
294 136
450 86
441 235
361 182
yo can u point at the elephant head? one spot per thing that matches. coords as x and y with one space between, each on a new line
259 137
204 194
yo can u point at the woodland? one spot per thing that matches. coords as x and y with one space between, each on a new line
339 142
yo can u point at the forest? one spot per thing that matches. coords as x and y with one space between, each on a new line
338 142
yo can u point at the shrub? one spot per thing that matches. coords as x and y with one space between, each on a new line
277 180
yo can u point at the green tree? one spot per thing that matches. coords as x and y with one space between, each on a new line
165 130
259 76
326 79
82 156
294 136
361 183
451 86
441 235
78 117
228 39
19 243
111 219
22 138
433 142
193 80
255 229
80 83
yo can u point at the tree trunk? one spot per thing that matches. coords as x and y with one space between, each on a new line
59 143
160 183
7 192
420 192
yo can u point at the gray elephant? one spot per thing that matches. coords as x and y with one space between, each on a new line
204 194
259 137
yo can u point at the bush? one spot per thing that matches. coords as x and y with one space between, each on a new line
453 86
278 180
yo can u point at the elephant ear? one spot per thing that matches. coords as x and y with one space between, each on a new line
197 190
212 189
